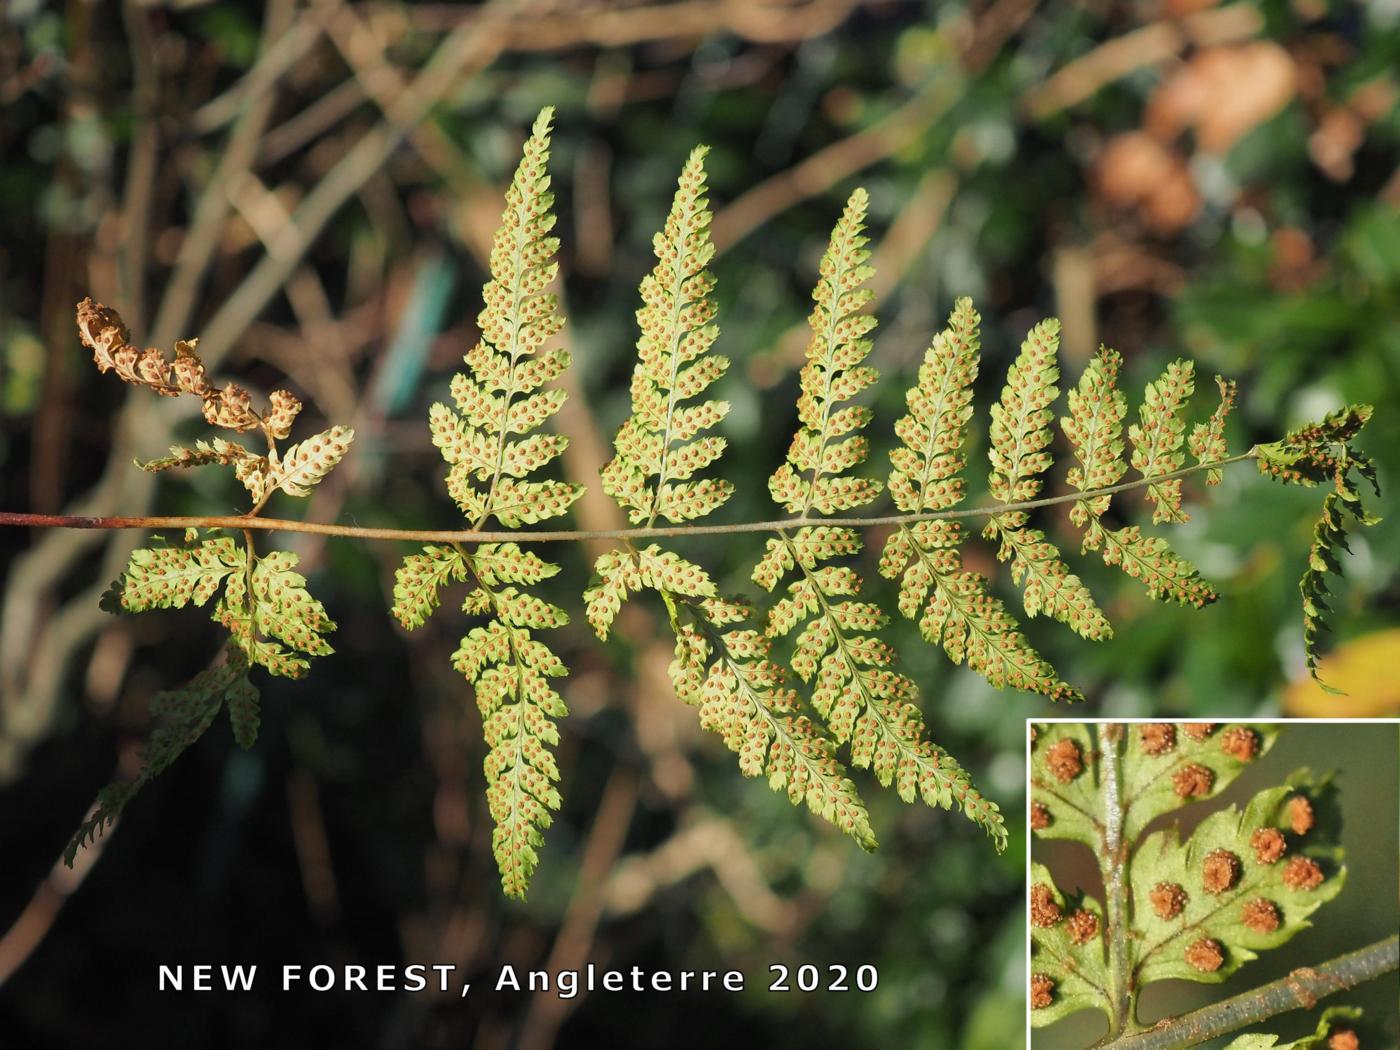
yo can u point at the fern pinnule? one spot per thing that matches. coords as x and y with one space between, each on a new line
925 557
855 690
1019 452
742 695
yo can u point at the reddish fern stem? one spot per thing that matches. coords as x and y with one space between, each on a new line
244 521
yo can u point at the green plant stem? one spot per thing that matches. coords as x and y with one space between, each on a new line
1300 990
248 521
1113 865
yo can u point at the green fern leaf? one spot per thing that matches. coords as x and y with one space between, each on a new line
1168 765
284 611
510 670
501 398
1095 428
419 579
927 466
813 478
1246 880
492 446
307 462
1020 440
1207 441
745 700
855 691
1334 1019
742 696
172 577
958 613
1069 959
660 447
1158 434
1250 884
182 716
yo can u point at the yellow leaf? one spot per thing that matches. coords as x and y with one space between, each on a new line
1363 670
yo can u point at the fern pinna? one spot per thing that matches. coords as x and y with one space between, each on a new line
801 687
505 396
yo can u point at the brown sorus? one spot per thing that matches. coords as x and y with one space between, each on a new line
1040 817
1158 737
1219 871
1167 900
1300 814
1343 1039
1240 743
1205 955
1302 873
1064 760
1042 991
1083 926
1044 911
1192 781
1198 731
1269 845
1261 916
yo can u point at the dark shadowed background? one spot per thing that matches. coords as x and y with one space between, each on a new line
310 187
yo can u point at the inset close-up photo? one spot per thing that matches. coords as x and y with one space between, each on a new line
1222 885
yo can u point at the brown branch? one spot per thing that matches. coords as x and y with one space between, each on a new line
234 521
1300 990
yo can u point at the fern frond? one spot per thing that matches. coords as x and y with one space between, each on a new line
745 699
1094 427
274 618
1158 434
1019 452
509 670
419 579
172 577
307 462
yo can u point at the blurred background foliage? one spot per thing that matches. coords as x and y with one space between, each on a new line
310 188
